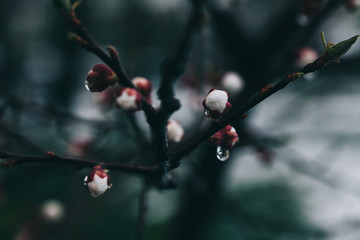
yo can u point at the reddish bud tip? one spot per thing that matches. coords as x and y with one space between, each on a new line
225 138
129 100
99 78
98 181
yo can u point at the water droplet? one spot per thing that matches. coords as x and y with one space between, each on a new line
85 180
87 85
207 112
222 154
109 186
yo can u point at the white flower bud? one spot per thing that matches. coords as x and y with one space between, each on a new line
52 210
129 100
216 103
175 132
98 181
232 82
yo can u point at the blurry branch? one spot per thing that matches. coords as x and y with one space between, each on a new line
142 208
171 69
174 66
85 40
331 54
12 159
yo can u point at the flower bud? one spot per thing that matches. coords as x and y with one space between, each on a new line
225 138
305 56
129 100
175 132
98 181
99 78
144 86
216 104
52 211
232 82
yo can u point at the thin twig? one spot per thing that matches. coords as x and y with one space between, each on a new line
239 113
11 159
86 41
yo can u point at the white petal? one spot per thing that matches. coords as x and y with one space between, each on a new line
126 102
98 186
175 131
216 100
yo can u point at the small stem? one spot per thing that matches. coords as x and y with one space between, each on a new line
12 159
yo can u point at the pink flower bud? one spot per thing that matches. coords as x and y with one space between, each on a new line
129 100
175 132
98 181
216 104
225 138
99 78
305 56
352 5
144 86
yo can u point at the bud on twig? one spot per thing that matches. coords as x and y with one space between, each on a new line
175 132
99 78
216 104
225 138
98 181
333 52
144 86
128 99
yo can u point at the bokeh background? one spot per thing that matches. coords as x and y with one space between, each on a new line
293 175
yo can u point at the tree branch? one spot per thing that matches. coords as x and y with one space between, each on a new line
331 54
12 159
86 41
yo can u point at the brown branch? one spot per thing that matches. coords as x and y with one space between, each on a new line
174 66
12 159
239 113
171 69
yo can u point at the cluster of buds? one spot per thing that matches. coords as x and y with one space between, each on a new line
225 138
98 181
99 78
305 56
175 132
216 104
144 86
128 99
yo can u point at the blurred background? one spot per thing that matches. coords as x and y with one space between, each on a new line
293 175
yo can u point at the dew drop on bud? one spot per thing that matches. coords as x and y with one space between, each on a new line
206 112
222 154
87 85
85 180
